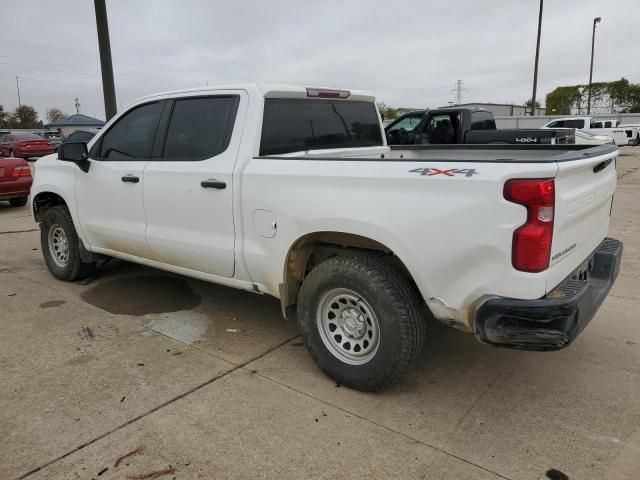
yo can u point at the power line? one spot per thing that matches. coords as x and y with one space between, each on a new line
65 51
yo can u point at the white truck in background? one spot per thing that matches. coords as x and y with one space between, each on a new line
622 135
293 192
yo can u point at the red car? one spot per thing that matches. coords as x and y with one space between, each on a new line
15 181
25 145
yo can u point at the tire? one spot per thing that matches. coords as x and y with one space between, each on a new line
19 202
363 288
56 232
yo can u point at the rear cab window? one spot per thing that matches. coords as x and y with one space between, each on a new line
200 128
294 125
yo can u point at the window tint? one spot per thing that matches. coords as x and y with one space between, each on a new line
132 136
26 136
482 121
579 123
409 123
292 125
80 136
200 127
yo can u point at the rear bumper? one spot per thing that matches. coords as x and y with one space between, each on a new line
555 320
15 189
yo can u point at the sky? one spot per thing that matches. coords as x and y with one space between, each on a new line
409 53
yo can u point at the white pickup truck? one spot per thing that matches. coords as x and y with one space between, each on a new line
622 135
292 192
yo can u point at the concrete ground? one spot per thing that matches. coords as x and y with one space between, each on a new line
200 381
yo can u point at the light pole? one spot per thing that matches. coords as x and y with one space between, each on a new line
593 41
108 88
535 69
18 87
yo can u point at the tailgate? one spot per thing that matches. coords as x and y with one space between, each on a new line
584 192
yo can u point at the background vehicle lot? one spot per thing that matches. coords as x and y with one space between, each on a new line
212 382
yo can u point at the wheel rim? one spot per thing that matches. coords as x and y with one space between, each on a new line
348 326
58 245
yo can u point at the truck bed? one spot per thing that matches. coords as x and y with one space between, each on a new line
499 153
459 153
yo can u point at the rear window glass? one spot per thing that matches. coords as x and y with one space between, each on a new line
573 124
482 121
293 125
27 136
200 127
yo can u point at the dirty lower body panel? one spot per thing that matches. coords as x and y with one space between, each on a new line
554 321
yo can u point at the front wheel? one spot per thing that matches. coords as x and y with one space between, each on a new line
360 320
61 246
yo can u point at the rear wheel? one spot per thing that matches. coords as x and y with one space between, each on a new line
18 202
61 246
360 320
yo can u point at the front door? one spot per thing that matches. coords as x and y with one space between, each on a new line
109 196
188 186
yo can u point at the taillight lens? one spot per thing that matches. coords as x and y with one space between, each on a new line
531 249
21 172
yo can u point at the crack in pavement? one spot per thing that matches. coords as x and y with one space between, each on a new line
155 409
385 427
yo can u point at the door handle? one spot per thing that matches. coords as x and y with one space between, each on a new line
130 179
213 183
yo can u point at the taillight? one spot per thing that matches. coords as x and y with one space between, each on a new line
531 249
21 172
327 93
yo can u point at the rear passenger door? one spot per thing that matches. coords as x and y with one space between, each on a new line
188 186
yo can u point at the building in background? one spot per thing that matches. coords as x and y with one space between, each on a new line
70 124
502 109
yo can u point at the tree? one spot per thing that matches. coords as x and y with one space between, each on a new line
24 117
3 117
528 103
54 114
386 111
618 96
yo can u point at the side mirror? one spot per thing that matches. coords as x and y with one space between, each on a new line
75 152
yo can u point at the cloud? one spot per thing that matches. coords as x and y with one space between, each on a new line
408 53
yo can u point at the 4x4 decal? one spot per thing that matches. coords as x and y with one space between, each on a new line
449 172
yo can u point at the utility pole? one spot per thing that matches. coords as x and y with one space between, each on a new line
106 65
18 87
535 68
458 89
593 41
77 105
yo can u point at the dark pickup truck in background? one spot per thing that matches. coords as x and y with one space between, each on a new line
449 126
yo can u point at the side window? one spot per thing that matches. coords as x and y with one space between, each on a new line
482 121
574 123
132 136
200 128
557 124
409 123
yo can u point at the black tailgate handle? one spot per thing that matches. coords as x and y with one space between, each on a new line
213 183
602 165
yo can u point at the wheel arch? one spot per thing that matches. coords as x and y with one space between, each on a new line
312 248
44 200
